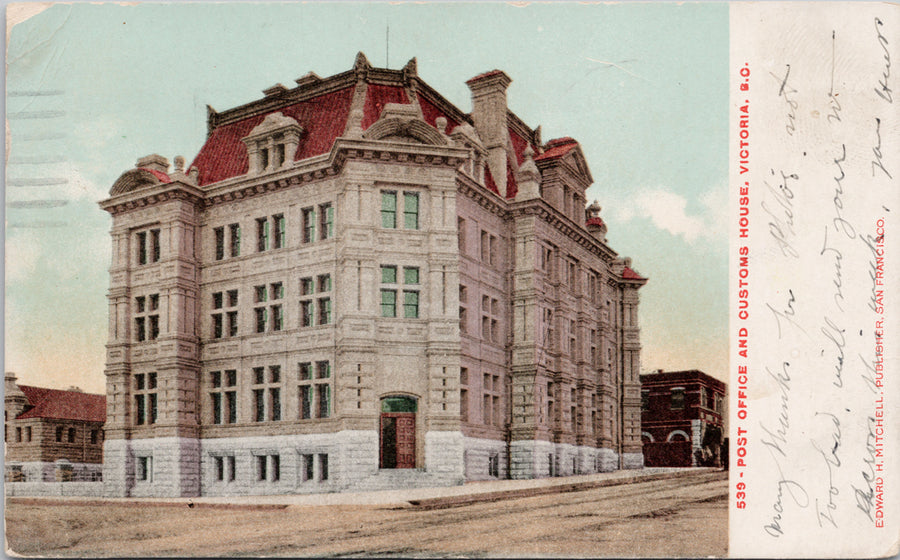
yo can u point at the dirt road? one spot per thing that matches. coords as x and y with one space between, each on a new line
676 517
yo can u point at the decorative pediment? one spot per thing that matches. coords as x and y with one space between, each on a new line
134 179
272 144
401 122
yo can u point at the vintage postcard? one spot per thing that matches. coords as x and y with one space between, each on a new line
451 279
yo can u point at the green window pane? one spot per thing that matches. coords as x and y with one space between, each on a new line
388 303
411 275
389 210
388 274
411 305
398 404
410 211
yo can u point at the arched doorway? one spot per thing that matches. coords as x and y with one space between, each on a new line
398 433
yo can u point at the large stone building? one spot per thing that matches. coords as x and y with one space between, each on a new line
52 435
682 419
357 285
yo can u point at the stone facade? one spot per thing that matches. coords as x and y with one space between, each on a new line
356 285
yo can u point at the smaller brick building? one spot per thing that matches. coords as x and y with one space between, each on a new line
52 435
682 419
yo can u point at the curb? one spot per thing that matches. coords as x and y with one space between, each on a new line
456 501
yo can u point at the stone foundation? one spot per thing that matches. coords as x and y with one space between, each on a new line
477 458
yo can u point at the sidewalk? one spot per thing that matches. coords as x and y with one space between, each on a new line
423 498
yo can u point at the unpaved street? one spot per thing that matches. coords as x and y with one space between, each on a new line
676 517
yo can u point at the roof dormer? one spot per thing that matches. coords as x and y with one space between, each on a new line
271 146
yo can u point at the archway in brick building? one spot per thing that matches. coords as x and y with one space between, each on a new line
398 433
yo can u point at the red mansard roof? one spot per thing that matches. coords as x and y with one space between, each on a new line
377 96
63 405
596 222
430 112
629 274
323 119
557 148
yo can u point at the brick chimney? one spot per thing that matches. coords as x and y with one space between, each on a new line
489 113
15 399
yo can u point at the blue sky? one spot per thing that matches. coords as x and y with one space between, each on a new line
643 87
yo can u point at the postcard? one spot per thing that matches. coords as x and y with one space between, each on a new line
451 279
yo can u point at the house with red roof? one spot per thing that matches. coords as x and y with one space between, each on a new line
52 435
357 285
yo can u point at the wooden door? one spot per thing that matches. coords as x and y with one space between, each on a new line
398 440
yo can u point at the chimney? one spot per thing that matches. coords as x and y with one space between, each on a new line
14 399
595 224
489 113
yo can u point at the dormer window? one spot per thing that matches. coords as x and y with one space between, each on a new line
271 146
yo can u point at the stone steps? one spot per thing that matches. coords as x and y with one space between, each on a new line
393 479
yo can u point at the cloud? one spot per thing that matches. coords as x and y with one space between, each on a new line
673 213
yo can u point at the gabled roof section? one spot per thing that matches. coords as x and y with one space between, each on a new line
63 405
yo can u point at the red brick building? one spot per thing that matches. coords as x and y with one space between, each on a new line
682 416
52 435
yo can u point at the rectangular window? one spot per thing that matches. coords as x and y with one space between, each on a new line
279 231
28 435
306 286
220 243
276 467
261 319
18 434
388 303
309 225
59 434
325 311
220 468
217 325
305 402
323 410
326 215
142 247
464 405
262 467
308 467
262 234
645 400
323 466
145 469
230 462
146 320
232 323
389 209
235 230
388 274
154 245
410 211
145 398
411 305
277 318
306 313
461 235
315 398
677 398
259 405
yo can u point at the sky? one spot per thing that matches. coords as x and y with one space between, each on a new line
93 87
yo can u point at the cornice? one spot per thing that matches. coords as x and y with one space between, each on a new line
542 209
153 196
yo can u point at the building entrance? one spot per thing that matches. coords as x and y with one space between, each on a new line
398 433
